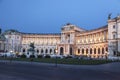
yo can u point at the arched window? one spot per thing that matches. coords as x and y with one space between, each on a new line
102 50
61 51
50 50
78 51
86 51
37 51
94 50
90 50
106 49
98 50
82 51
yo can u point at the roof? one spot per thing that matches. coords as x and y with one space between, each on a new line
10 31
70 26
99 28
42 33
103 27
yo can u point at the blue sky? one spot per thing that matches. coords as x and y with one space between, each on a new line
48 16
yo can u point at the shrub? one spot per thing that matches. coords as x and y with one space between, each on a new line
23 56
31 59
68 57
32 56
40 56
47 56
18 56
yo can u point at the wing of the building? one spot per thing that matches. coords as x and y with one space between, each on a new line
72 40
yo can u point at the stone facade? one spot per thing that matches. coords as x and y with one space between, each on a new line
102 42
2 42
114 37
44 43
13 41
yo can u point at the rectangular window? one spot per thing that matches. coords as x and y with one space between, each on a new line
114 52
17 37
113 36
113 26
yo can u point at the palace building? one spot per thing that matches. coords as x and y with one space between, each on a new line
102 42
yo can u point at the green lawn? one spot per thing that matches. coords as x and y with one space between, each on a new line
61 61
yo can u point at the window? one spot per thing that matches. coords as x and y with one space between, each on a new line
37 51
113 36
114 52
78 51
50 50
98 50
106 49
86 51
91 51
82 51
17 37
94 51
23 50
113 26
102 50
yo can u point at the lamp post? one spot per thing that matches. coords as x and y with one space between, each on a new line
56 51
11 55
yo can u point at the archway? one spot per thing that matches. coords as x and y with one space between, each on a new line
78 51
98 50
42 51
50 51
90 50
37 51
102 50
24 50
94 50
61 51
70 51
86 51
82 51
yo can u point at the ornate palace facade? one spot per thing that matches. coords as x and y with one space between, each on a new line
73 40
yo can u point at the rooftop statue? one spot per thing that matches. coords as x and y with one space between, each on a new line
109 16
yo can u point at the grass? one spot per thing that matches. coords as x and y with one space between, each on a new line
61 61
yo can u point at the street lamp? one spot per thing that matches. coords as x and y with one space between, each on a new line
11 55
56 51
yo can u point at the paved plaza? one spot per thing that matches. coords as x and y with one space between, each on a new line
17 70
